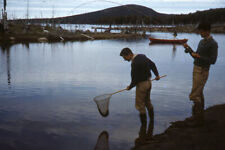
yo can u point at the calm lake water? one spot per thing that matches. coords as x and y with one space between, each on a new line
47 91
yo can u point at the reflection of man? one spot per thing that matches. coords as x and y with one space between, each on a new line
140 74
174 51
205 55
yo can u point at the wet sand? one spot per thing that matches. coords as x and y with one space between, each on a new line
186 135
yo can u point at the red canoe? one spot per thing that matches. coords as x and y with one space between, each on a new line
177 41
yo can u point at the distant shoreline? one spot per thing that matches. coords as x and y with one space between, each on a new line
163 28
36 33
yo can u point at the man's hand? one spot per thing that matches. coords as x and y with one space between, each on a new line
185 45
128 88
195 55
157 77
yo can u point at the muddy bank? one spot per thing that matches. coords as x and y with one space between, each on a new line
21 38
19 33
185 135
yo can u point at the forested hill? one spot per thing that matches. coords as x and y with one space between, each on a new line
112 15
136 14
214 16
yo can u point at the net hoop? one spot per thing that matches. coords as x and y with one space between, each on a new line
102 102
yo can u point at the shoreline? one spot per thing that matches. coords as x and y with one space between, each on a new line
65 38
18 33
181 135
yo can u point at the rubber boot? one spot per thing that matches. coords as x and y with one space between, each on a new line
143 119
198 113
151 113
142 133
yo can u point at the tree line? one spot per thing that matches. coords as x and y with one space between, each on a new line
212 15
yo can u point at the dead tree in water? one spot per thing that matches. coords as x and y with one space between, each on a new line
27 15
5 5
4 17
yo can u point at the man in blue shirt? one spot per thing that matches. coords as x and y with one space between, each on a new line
205 56
141 67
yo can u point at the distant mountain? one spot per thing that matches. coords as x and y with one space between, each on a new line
136 14
114 12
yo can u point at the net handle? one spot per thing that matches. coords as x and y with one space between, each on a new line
126 88
159 77
119 91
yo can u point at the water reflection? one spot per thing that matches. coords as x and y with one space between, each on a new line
33 135
145 135
103 141
50 102
174 48
27 45
5 48
174 51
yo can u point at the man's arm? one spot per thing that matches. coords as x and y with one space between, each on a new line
153 67
189 50
212 58
134 74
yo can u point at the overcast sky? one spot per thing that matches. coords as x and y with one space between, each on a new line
59 8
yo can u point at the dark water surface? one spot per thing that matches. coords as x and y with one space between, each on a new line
47 91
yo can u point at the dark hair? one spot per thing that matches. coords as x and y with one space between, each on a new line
205 26
125 51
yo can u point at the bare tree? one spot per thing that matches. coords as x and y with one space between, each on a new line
27 15
53 15
5 5
4 17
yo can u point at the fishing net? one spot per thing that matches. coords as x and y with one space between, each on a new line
102 102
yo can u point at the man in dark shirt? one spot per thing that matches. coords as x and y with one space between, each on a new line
205 55
141 67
